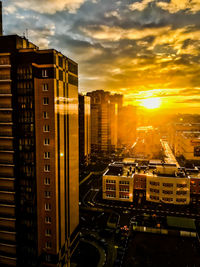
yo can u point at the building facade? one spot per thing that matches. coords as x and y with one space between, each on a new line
117 183
39 213
104 119
84 130
161 183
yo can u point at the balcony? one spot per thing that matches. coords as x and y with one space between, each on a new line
6 143
7 210
5 77
6 171
7 184
8 236
5 101
7 223
7 197
7 249
8 261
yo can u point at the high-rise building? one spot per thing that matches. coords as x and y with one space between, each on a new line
103 122
39 184
84 130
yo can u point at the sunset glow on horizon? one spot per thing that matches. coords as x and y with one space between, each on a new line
151 103
141 49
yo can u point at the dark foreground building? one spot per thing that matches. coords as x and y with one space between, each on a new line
39 213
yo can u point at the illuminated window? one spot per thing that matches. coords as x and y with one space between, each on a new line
47 219
47 181
44 73
46 141
48 232
47 155
47 168
47 193
45 87
46 128
45 100
47 206
45 115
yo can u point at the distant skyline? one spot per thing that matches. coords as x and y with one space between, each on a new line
142 49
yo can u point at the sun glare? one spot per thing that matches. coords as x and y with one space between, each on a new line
151 103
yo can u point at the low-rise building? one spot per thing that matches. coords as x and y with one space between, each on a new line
167 188
118 182
161 183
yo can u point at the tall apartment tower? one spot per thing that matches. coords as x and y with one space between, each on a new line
103 122
39 184
84 130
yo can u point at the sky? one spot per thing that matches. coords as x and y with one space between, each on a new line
139 48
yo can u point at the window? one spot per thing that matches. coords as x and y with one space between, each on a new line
45 100
168 199
154 190
47 206
154 183
123 196
47 219
124 182
47 168
45 115
181 192
167 184
110 195
154 197
47 181
167 192
48 232
124 189
110 188
48 244
46 141
46 128
47 155
44 73
47 193
111 181
181 185
45 87
48 258
181 200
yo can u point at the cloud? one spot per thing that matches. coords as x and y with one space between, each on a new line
104 32
48 6
177 5
140 6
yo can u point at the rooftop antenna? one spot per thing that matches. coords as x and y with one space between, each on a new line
26 33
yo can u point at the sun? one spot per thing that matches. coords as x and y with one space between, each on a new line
151 103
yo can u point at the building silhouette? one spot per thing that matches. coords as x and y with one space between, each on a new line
39 213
